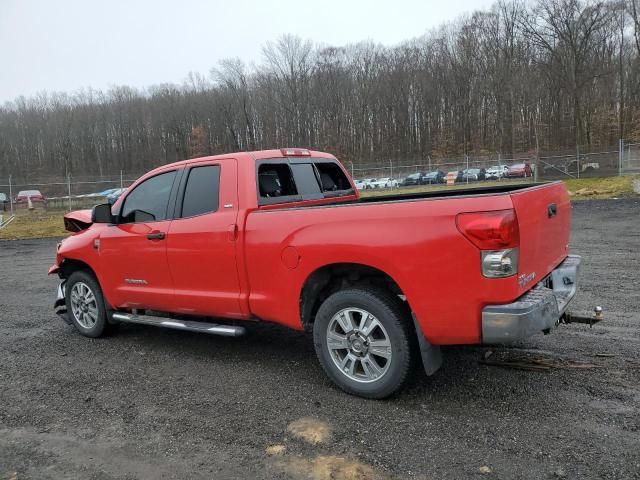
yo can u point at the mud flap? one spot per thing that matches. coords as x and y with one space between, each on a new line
431 354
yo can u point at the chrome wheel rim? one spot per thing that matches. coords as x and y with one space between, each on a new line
84 305
359 345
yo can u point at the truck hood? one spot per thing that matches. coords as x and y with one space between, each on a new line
77 221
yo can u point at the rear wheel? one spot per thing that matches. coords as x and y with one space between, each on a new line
85 304
363 341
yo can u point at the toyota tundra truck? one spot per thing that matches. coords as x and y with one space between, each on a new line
211 244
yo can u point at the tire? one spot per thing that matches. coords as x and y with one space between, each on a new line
86 306
363 373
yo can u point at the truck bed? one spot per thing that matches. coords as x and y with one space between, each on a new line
454 192
414 239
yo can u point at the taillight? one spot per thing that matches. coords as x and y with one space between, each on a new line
295 152
497 235
490 230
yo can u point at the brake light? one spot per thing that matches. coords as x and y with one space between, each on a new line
495 230
295 152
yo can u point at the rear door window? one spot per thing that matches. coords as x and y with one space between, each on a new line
201 191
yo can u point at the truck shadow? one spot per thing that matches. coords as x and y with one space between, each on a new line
289 356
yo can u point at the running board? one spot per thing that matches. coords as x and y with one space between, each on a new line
189 326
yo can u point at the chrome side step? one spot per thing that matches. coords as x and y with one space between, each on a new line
190 326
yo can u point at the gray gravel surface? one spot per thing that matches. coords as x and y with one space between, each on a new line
149 403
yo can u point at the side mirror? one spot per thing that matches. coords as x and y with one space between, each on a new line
102 214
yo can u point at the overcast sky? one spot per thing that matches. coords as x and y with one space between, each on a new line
64 45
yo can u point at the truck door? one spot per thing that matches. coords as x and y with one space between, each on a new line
201 244
133 253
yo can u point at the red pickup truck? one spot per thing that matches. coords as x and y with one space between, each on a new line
282 236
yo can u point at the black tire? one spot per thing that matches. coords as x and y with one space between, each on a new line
392 315
101 326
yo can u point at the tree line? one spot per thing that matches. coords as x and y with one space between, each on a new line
520 77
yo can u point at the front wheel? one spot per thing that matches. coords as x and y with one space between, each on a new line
86 305
363 340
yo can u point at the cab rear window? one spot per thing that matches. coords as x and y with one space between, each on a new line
291 180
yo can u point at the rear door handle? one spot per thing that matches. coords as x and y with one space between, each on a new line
552 210
156 236
233 232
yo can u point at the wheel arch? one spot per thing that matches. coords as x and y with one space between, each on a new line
329 278
71 265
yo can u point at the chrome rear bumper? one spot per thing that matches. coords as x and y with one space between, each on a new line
538 310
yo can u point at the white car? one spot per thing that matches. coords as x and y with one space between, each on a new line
496 172
360 184
386 182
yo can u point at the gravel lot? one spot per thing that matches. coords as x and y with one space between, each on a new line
153 404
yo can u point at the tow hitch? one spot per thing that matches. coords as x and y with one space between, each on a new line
595 317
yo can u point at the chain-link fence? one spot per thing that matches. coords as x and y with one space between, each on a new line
76 192
622 159
60 193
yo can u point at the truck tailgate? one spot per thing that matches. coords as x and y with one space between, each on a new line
544 219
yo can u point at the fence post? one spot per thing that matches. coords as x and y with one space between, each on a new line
121 183
391 163
467 157
620 156
429 156
578 160
69 189
11 195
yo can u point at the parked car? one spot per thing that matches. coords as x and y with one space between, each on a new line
115 195
437 176
519 170
366 184
473 174
386 182
103 194
496 172
360 184
413 179
258 237
4 202
36 197
457 174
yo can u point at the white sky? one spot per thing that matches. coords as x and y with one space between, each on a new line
64 45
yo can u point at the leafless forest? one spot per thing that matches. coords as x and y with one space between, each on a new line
522 77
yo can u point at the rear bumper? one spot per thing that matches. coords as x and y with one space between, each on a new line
538 310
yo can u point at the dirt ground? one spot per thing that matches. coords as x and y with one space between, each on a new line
155 404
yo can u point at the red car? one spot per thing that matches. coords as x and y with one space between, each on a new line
519 170
35 196
213 244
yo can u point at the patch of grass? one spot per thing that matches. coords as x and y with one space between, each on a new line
606 187
36 224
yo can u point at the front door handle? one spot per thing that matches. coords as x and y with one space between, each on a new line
156 236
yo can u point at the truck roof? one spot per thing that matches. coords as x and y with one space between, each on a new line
252 156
